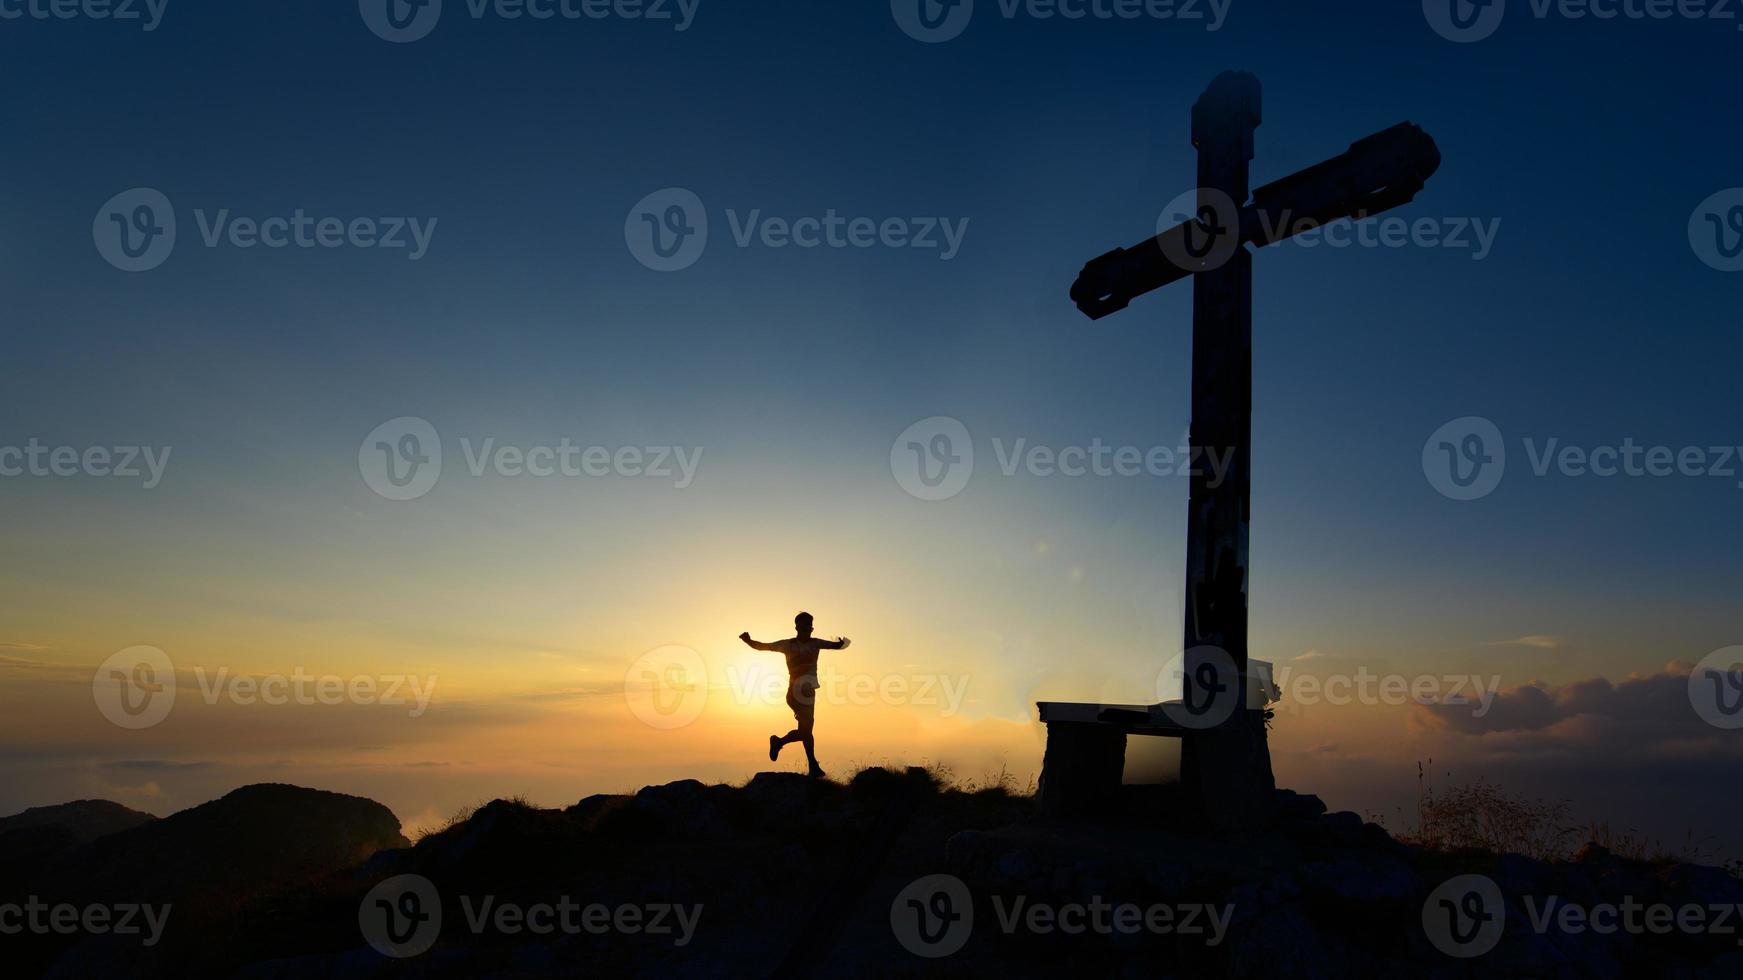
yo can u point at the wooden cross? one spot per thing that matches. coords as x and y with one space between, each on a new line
1225 761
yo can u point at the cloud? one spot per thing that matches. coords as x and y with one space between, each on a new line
1537 641
1657 701
24 664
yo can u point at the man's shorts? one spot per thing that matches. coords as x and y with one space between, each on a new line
802 697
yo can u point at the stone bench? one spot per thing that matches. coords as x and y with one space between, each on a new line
1085 760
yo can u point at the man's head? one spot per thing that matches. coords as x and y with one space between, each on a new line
802 624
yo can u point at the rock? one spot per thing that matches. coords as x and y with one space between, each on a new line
1727 966
591 809
780 795
1293 807
962 851
685 808
877 781
1520 875
1703 884
1360 879
1016 867
1342 827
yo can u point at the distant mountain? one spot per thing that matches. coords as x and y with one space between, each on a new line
83 820
204 867
41 834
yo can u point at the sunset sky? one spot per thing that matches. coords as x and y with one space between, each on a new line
1589 319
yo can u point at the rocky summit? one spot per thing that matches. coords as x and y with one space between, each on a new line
889 873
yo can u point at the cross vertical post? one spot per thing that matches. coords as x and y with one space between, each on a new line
1227 772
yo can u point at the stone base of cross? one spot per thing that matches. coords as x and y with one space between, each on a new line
1220 715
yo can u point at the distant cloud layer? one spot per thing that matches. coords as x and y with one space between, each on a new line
1655 704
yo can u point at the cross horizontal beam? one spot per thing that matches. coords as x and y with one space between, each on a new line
1374 175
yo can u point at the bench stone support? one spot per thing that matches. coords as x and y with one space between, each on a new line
1082 769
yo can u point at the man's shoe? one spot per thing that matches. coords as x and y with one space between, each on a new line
774 747
816 771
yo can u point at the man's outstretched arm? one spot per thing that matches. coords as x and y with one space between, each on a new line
754 644
839 643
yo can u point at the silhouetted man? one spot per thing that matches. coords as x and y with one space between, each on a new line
801 653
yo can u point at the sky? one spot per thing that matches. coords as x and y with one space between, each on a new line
1563 296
